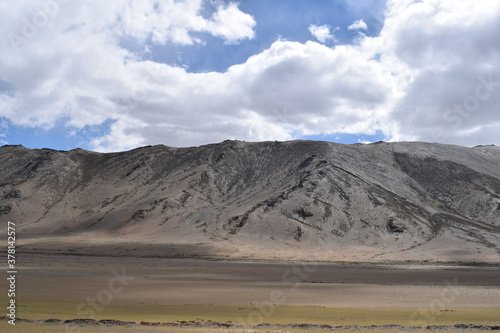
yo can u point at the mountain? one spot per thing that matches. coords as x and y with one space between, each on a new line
280 200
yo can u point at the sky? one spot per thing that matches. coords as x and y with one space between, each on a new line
115 75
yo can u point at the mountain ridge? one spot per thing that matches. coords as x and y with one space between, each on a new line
234 199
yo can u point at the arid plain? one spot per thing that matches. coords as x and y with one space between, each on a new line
242 296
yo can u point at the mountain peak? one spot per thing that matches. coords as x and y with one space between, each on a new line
382 201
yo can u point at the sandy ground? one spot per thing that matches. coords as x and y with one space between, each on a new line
445 248
189 281
155 289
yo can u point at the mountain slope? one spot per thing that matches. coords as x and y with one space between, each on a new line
297 199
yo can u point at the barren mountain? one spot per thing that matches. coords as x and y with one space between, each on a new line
285 200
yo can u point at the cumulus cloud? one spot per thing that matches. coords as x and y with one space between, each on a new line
358 25
446 55
177 21
56 65
432 74
321 32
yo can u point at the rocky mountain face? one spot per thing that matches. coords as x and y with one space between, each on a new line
297 199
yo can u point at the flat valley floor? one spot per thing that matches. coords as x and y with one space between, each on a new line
131 294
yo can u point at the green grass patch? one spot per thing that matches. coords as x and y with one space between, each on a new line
35 309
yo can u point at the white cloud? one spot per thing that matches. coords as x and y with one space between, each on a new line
430 56
321 32
444 51
231 24
61 66
358 25
175 21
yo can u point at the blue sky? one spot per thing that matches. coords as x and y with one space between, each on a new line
111 77
285 19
